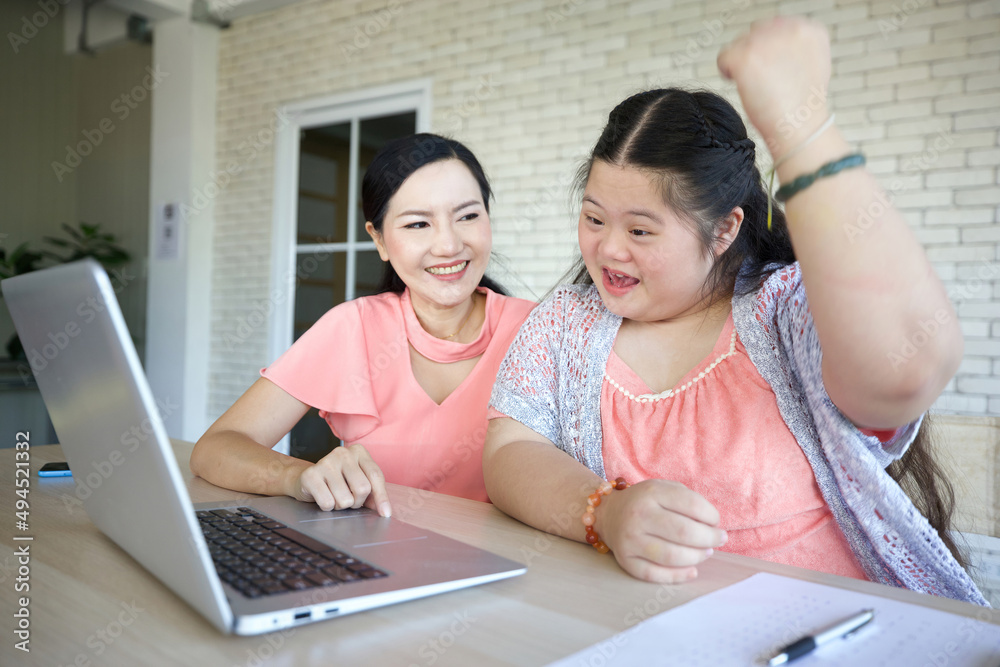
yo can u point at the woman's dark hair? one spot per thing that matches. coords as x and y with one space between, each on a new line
396 162
694 146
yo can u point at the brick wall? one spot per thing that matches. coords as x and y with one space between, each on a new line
527 85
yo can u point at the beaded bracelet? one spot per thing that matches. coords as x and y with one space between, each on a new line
829 169
593 501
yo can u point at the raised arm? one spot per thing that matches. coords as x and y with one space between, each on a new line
890 336
237 453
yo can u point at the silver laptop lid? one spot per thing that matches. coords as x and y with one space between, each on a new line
107 421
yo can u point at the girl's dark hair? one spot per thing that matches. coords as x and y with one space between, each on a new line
396 162
694 146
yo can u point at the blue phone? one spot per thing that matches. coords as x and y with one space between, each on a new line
55 469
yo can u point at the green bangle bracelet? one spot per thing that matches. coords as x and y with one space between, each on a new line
785 192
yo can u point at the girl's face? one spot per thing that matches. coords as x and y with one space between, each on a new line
647 262
436 234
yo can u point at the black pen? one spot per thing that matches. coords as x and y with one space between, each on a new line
839 630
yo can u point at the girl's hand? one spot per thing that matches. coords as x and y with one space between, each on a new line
659 530
345 478
781 68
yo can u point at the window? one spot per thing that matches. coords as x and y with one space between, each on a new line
332 257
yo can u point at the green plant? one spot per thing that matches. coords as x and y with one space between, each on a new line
87 241
80 242
21 260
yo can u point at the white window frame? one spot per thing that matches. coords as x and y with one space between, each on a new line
413 95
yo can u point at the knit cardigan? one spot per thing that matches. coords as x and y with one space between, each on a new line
551 382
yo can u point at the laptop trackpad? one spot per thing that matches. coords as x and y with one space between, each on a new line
348 529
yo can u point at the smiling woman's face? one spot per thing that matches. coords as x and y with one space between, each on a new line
436 234
647 262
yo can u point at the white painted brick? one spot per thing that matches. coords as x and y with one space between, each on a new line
863 27
984 8
895 40
918 109
988 157
981 234
967 102
649 6
968 216
975 121
863 98
984 45
960 179
918 72
976 385
966 66
931 235
963 253
965 29
839 15
882 165
976 365
867 62
982 82
914 128
863 133
962 404
932 88
894 146
922 200
845 49
846 83
978 196
934 52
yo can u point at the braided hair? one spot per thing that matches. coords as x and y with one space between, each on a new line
695 147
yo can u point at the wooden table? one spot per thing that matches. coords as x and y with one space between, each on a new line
91 604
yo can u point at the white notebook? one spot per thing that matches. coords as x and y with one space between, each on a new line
749 622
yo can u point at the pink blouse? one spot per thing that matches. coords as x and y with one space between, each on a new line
719 432
354 365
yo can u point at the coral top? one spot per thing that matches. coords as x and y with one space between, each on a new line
719 432
354 365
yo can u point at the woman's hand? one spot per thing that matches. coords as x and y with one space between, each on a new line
659 530
781 68
345 478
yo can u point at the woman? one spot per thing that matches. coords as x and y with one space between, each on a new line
741 399
404 376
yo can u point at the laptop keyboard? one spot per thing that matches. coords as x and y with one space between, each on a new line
259 556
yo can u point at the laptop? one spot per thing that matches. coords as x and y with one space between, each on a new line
249 566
